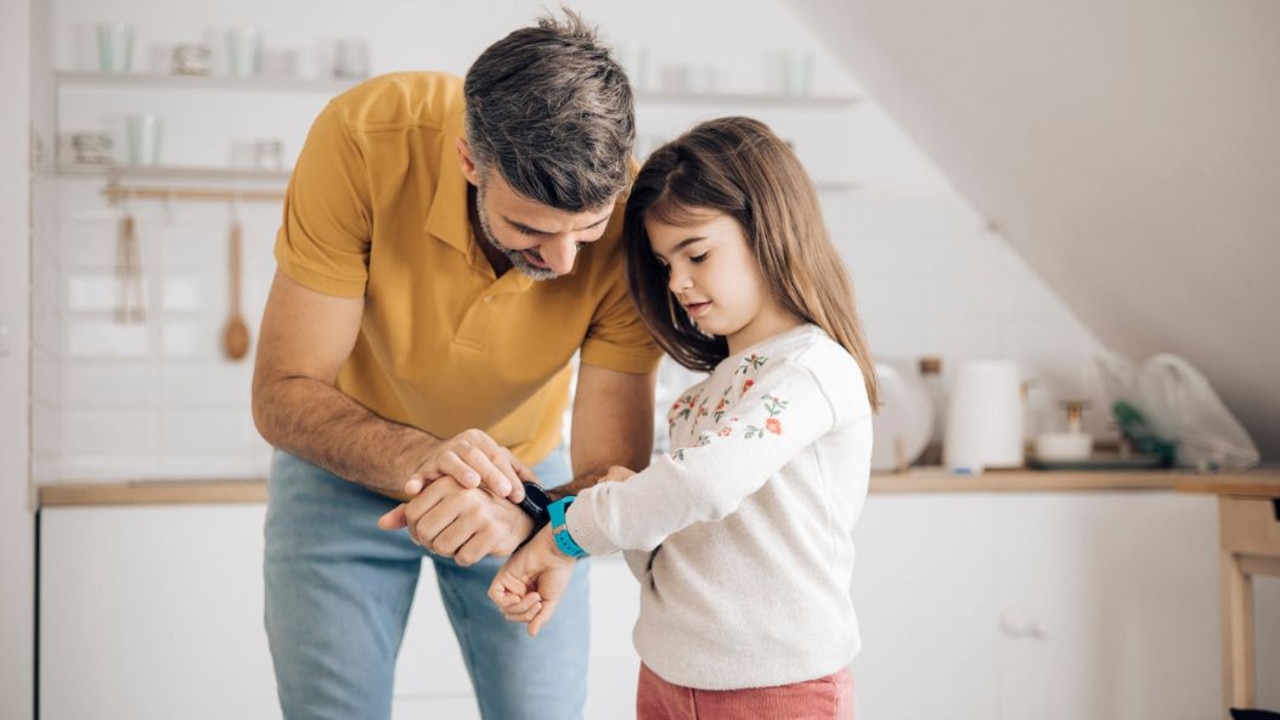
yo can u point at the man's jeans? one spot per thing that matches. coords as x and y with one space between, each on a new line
338 591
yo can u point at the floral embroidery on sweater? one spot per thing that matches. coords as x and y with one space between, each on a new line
774 405
693 406
751 365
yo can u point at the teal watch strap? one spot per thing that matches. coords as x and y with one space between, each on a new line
559 532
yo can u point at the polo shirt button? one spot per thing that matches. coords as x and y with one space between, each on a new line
488 298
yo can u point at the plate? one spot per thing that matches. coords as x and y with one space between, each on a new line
903 425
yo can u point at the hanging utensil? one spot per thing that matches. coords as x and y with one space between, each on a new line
235 336
131 298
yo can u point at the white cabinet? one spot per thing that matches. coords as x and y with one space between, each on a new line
1109 606
924 589
615 666
153 613
156 612
1038 605
973 606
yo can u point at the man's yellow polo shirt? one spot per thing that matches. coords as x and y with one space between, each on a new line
377 207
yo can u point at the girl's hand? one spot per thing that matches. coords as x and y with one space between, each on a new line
530 585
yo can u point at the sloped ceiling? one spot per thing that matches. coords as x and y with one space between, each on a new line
1129 151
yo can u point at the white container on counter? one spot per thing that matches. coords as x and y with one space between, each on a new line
984 418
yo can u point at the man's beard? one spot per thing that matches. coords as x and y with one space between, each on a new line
517 258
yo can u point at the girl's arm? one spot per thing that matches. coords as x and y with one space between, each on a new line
772 416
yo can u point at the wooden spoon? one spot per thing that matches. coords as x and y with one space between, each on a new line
235 336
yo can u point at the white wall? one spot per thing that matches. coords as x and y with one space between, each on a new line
17 549
1127 150
156 400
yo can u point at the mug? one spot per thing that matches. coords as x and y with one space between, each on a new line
144 139
351 59
244 51
115 47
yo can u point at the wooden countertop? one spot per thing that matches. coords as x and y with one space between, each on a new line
1257 485
1261 483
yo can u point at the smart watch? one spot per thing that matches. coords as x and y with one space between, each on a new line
559 532
535 503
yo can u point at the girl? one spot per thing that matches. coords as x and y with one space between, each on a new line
741 536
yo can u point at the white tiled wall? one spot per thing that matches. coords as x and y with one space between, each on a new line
156 399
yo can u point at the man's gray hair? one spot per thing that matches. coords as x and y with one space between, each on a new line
553 112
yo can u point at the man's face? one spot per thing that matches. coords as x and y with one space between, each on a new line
539 240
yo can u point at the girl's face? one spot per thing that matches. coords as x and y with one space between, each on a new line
716 279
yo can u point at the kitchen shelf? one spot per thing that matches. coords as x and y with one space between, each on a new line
77 78
116 171
754 99
87 78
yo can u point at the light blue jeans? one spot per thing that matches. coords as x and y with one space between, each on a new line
338 591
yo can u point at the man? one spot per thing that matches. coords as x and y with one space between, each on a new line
446 249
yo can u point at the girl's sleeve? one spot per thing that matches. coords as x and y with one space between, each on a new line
782 410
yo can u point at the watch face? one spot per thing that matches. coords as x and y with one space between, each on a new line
536 500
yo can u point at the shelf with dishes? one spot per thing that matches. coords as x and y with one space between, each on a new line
265 83
122 171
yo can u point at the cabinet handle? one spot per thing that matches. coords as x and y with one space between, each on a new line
1013 625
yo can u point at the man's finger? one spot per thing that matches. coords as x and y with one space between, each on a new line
452 464
393 519
449 540
522 471
495 473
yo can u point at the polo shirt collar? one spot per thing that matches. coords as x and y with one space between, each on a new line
447 218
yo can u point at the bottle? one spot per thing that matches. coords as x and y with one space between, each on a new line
931 377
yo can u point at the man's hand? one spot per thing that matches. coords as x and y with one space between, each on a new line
466 524
532 582
473 459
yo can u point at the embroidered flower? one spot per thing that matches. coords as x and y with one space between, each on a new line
751 362
685 406
720 409
774 405
725 431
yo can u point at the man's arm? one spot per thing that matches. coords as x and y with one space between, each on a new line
612 424
306 337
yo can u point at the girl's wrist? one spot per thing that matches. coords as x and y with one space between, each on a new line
547 544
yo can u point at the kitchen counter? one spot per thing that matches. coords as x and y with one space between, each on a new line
915 480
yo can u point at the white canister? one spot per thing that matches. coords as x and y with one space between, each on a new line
984 417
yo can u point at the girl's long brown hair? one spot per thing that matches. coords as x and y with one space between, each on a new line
737 166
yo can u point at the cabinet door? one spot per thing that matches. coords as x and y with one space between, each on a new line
1109 606
614 666
923 587
153 613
